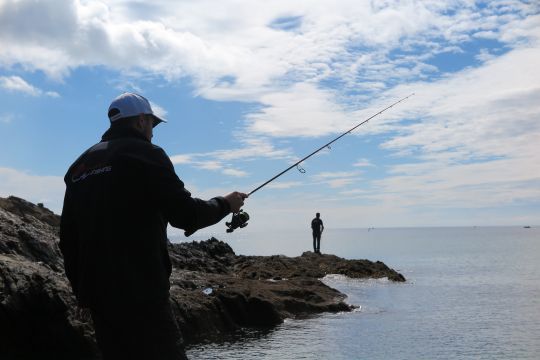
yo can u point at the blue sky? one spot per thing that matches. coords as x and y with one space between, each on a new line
250 87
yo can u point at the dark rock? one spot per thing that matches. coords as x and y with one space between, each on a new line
24 209
38 314
214 292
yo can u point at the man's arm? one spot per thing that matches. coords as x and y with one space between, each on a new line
180 208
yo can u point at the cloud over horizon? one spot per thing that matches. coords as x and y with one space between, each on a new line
311 70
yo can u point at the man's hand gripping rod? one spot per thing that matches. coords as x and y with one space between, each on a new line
240 219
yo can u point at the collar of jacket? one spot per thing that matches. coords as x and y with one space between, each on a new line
122 132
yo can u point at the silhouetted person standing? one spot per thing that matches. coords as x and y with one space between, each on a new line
317 227
120 196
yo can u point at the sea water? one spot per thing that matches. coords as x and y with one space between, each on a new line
471 293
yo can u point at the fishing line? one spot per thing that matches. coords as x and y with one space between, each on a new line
327 145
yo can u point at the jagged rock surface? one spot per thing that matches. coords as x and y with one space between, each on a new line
214 291
38 314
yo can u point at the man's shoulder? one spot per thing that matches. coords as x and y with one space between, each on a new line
130 145
120 148
122 145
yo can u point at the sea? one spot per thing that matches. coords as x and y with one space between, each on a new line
471 293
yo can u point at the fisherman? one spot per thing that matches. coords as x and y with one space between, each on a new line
317 227
120 196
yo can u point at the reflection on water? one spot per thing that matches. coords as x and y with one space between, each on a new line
472 293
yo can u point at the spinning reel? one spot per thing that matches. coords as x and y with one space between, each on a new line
239 220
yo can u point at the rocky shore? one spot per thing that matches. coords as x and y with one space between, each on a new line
214 291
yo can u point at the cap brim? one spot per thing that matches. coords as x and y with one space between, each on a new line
157 121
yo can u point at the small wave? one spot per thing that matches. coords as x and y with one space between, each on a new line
337 278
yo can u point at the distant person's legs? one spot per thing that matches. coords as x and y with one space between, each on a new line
318 236
314 242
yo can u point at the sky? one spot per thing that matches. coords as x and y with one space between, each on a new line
250 87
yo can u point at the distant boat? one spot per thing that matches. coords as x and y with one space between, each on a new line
527 227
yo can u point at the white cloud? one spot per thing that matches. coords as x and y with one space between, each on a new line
15 83
484 112
355 192
181 159
445 186
235 40
158 110
485 55
218 48
207 162
337 174
234 172
285 185
44 189
473 141
337 179
7 118
474 144
18 84
302 110
253 148
209 165
363 163
338 183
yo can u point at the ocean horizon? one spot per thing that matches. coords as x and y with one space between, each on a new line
471 293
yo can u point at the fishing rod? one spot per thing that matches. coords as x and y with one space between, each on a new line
328 144
240 219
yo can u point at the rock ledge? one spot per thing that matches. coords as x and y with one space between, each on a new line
214 291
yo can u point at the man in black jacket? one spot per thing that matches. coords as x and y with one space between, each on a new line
120 195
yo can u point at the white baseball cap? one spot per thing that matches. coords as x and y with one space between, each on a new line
130 104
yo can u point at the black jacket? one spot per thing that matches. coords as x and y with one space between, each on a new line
120 195
316 225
